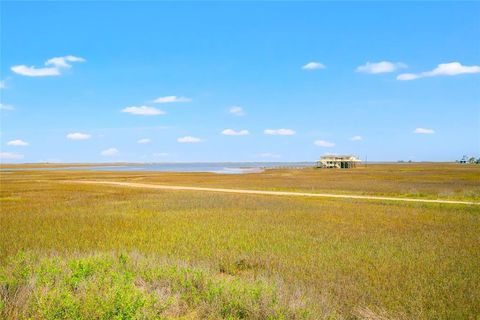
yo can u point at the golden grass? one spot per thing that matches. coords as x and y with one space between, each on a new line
432 181
337 258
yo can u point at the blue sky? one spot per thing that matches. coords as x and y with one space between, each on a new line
252 81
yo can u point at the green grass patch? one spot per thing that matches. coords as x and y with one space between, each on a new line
109 286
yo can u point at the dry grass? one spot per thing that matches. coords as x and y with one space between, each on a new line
432 180
334 258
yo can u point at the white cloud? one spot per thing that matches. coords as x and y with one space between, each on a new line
35 72
407 76
57 64
3 84
380 67
453 69
78 136
189 139
62 62
323 143
443 69
143 111
144 140
10 156
17 143
424 131
6 107
110 152
356 138
170 99
313 66
231 132
268 155
237 111
279 132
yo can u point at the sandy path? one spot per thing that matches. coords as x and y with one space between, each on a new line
264 192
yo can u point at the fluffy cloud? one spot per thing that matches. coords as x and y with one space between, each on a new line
408 76
170 99
110 152
356 138
10 156
78 136
63 62
53 67
313 66
424 131
323 143
144 140
380 67
6 107
35 72
453 69
17 143
189 139
231 132
237 111
143 111
443 69
279 132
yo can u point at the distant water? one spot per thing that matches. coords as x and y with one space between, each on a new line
222 168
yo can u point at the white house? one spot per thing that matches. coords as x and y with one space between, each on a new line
337 161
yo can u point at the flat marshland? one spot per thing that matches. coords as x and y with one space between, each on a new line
77 251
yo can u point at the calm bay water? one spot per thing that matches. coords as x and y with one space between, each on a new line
222 168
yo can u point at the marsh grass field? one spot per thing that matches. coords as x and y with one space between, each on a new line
77 251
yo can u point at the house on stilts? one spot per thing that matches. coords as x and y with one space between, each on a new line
338 161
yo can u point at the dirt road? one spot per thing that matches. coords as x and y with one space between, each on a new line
265 192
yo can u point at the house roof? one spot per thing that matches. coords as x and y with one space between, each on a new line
339 157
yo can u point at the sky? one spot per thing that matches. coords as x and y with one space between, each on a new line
238 81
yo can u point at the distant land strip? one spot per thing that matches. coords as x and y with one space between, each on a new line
265 192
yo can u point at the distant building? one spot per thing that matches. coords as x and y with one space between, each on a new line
336 161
